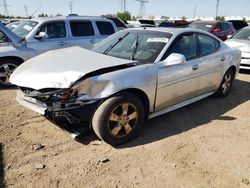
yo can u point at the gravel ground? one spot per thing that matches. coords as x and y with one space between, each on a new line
206 144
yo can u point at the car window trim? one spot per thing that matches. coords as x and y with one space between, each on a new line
49 22
199 45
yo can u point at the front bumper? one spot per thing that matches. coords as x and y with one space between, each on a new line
70 116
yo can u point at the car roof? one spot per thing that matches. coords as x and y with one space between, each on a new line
42 19
172 30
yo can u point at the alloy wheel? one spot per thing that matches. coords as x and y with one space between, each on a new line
122 119
5 71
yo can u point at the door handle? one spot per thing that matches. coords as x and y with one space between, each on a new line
195 67
92 41
222 58
62 43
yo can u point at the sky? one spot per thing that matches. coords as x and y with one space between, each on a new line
171 8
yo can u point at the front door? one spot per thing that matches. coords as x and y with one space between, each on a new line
179 83
56 37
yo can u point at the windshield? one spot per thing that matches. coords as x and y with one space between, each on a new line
202 26
24 28
138 45
244 34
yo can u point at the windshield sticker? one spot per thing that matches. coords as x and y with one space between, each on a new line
164 40
27 27
209 26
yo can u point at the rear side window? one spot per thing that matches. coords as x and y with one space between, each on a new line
225 26
105 28
208 44
54 30
186 45
81 28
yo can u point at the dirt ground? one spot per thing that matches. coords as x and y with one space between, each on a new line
206 144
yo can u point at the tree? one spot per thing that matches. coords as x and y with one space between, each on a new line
124 15
43 15
220 18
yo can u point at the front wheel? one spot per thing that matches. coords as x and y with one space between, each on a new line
226 84
7 66
118 119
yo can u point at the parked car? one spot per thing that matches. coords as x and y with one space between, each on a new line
13 25
220 29
166 24
238 24
241 41
133 75
36 36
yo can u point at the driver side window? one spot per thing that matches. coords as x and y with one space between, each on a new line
185 45
54 30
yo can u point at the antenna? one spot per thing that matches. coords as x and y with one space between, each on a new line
71 7
5 7
142 10
123 5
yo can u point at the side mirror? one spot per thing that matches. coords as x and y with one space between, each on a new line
42 35
229 36
174 59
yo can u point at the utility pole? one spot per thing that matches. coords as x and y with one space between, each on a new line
142 10
217 8
195 8
71 7
123 5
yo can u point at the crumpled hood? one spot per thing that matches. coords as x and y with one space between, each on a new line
61 68
242 45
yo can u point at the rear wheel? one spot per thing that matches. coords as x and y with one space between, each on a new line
118 119
226 84
7 66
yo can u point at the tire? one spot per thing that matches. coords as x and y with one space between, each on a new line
118 119
7 66
226 84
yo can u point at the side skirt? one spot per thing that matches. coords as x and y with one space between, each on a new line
177 106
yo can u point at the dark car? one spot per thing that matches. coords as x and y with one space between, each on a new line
166 24
221 29
120 24
238 24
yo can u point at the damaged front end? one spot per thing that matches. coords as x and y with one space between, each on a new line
65 107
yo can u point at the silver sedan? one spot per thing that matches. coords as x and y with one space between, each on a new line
131 76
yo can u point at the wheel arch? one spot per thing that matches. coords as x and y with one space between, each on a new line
19 59
141 95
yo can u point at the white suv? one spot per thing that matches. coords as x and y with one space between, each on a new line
36 36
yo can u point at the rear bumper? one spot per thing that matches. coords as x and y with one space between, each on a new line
76 114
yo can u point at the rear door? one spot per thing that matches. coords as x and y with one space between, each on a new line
57 37
211 64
